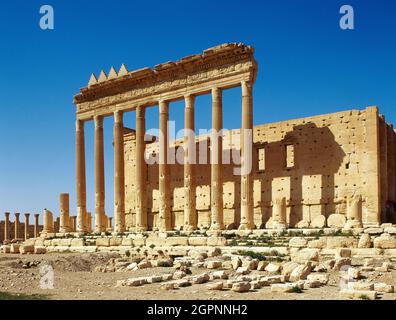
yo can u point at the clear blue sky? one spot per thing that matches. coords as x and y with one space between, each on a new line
307 66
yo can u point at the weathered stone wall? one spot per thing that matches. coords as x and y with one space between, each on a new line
316 163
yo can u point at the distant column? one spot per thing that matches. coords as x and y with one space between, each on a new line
48 222
27 215
165 222
119 178
99 175
64 213
247 218
190 212
36 225
141 171
6 226
16 226
216 144
109 223
74 223
81 177
89 222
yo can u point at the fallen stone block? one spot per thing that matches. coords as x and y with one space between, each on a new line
323 278
14 248
341 262
383 287
261 265
273 279
273 268
242 270
199 279
385 241
283 287
215 264
168 286
220 274
360 286
154 279
301 272
288 267
215 286
240 287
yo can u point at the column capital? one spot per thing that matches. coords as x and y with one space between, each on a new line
118 116
6 214
189 100
80 125
17 214
163 106
98 120
140 111
246 88
36 215
27 215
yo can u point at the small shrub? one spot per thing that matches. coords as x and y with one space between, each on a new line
364 297
297 289
253 255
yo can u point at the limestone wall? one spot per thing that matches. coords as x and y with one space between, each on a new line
316 163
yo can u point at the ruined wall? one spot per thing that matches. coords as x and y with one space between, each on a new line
316 163
21 230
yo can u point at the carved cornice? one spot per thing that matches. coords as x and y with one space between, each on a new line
226 61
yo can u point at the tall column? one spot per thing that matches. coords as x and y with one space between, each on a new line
6 226
119 179
81 178
16 226
216 144
165 222
100 225
64 223
27 225
141 171
247 218
36 225
190 212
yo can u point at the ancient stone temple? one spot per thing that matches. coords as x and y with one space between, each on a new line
334 170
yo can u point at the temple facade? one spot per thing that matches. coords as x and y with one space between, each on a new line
330 170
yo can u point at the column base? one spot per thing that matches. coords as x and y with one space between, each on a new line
246 226
189 227
216 227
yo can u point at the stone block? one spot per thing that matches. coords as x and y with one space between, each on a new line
298 242
77 242
24 249
336 220
197 241
283 287
103 242
305 255
301 272
385 241
240 287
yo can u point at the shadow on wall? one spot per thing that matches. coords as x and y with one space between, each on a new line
301 168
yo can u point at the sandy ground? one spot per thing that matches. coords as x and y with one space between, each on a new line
74 279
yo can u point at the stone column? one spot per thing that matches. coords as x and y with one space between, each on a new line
74 223
279 213
48 222
99 176
36 225
27 226
119 179
89 222
64 213
16 226
354 212
164 222
6 226
190 212
216 146
141 170
246 137
109 223
81 178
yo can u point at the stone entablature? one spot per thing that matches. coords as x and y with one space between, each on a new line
224 66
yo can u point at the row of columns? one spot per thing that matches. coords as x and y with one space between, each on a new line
164 217
17 226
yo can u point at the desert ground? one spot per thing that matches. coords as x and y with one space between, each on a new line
95 276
